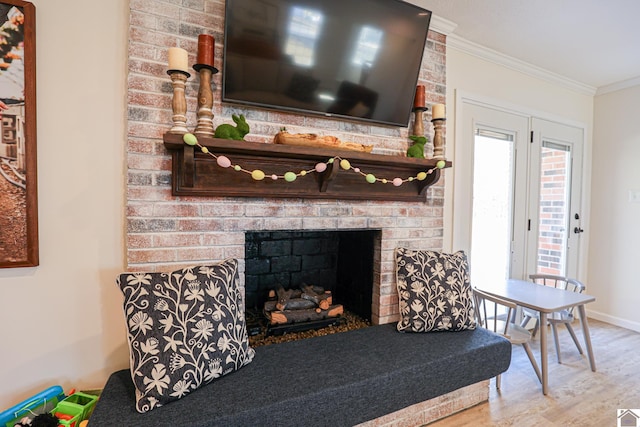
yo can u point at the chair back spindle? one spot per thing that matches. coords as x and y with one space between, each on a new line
564 317
501 323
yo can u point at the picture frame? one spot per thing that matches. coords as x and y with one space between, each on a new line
18 165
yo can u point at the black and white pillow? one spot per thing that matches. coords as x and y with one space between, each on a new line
185 329
434 291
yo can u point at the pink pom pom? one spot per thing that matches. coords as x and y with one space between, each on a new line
321 167
356 170
274 177
397 182
223 161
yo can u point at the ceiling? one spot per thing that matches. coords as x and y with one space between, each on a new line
592 42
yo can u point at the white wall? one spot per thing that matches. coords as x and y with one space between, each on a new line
614 255
61 322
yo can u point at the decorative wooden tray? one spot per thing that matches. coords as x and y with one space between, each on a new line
313 140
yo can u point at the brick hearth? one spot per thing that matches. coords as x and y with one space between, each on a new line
166 232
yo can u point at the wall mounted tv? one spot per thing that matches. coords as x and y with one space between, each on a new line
354 59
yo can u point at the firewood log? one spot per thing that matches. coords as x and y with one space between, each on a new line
292 304
295 316
335 310
283 297
295 293
322 300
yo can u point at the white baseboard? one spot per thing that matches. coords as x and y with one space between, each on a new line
617 321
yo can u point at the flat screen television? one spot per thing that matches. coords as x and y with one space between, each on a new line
354 59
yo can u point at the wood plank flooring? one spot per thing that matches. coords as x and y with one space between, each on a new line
577 396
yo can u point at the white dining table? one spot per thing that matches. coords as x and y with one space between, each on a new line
545 300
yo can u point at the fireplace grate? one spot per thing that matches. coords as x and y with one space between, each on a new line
347 322
276 330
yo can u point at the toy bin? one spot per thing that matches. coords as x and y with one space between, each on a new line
68 416
40 403
78 403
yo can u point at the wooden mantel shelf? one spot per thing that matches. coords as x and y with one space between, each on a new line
197 174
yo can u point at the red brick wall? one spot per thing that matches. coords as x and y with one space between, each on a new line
166 232
553 212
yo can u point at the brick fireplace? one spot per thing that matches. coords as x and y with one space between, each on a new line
168 232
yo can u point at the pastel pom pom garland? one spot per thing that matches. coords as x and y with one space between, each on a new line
259 175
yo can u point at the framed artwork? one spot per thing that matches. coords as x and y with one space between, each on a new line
18 175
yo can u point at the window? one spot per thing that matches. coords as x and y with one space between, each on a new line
303 31
367 46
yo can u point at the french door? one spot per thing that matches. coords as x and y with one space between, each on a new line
556 186
516 194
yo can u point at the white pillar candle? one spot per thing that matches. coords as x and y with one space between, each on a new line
178 59
438 111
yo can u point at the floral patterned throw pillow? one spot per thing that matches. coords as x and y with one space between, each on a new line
185 329
434 291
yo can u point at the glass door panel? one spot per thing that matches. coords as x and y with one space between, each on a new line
553 220
492 224
491 192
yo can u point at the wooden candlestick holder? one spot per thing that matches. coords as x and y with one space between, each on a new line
418 121
179 101
204 114
438 138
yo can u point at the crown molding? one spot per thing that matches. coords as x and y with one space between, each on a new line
441 25
635 81
456 42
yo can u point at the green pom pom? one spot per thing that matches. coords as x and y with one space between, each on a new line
205 150
237 168
441 164
190 139
330 160
371 178
290 176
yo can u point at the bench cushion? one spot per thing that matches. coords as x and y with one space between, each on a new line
333 380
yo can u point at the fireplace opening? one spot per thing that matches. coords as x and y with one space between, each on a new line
327 274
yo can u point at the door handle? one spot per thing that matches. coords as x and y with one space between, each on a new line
578 230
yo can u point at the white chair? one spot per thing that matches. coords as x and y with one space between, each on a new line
492 321
564 317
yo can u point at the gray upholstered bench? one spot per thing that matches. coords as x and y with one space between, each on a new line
334 380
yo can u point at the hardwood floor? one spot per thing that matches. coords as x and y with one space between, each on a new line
577 396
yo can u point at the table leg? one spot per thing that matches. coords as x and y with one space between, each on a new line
587 336
543 352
